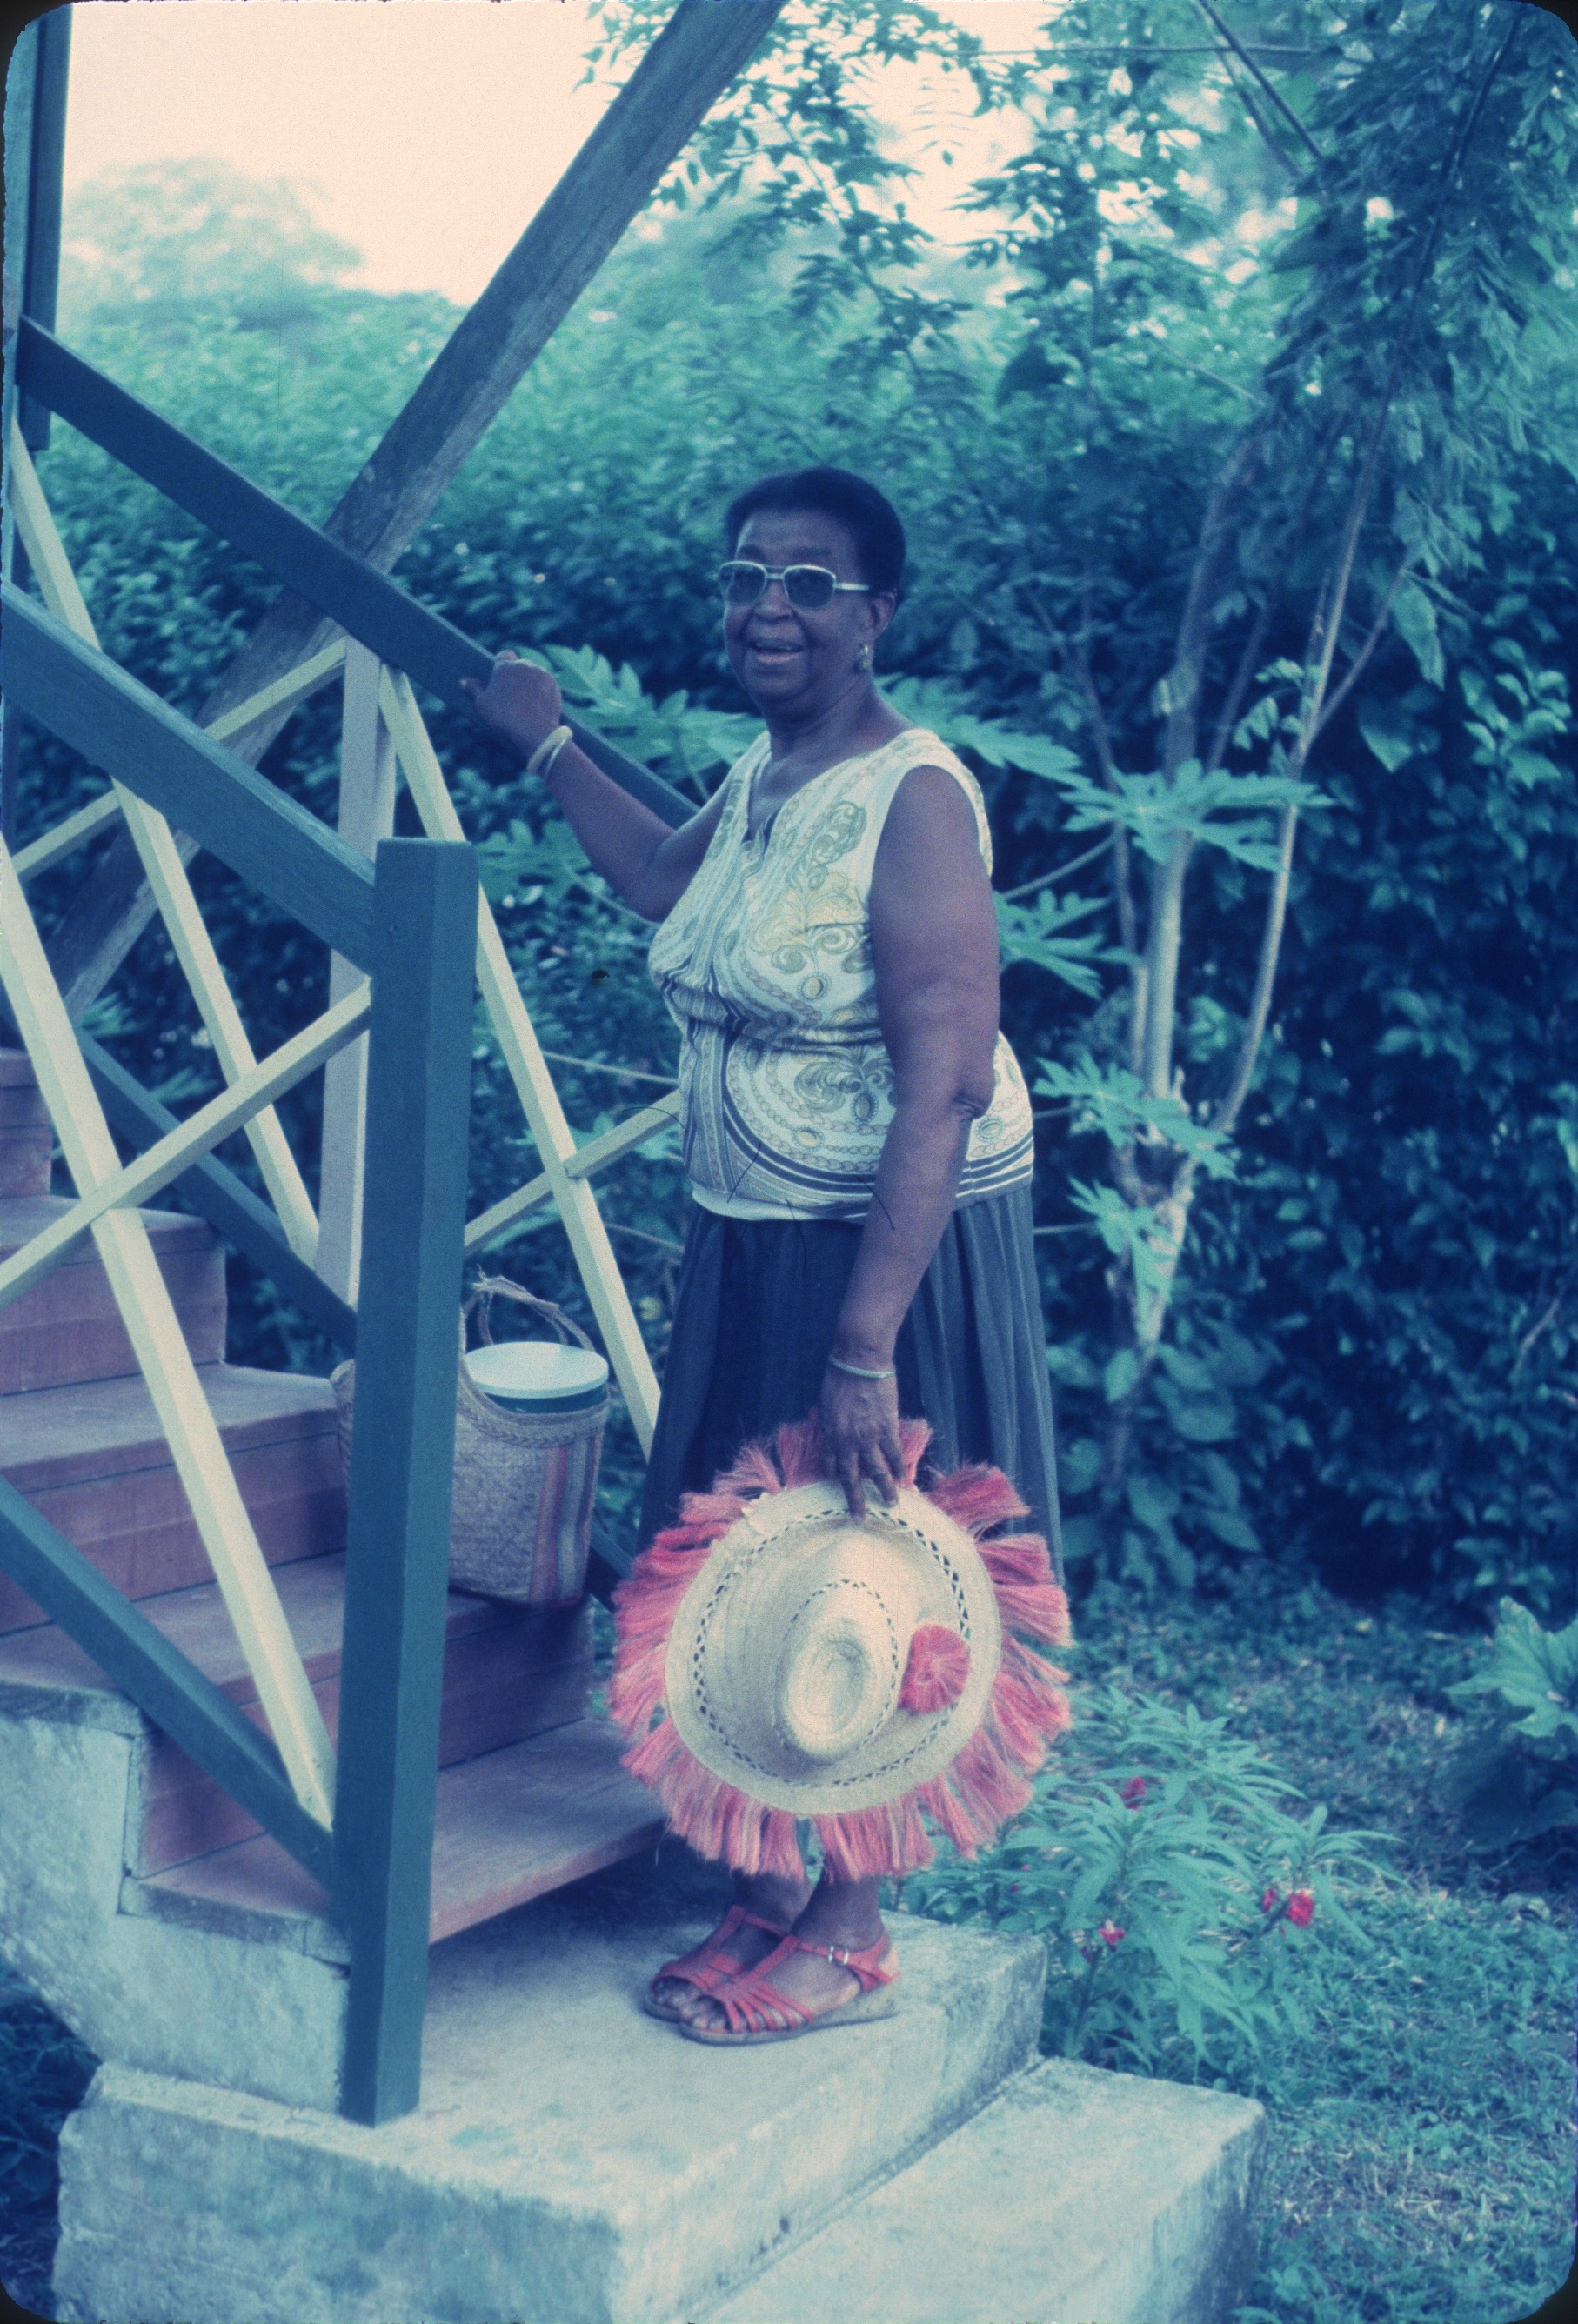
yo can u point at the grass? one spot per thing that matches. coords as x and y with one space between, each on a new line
1421 2163
1421 2159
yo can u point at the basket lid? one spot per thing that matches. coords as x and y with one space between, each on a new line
537 1372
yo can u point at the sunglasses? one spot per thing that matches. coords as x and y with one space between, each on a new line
811 587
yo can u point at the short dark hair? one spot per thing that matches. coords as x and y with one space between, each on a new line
871 518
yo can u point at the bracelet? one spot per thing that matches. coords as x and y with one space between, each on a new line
859 1371
541 761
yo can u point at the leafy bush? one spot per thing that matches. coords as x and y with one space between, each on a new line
1173 1883
45 2071
1367 1356
1515 1779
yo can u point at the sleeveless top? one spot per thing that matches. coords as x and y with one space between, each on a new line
786 1085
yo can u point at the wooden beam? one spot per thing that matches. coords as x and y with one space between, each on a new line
158 1678
534 1084
138 1182
148 1314
67 836
360 599
286 694
80 694
403 1452
689 65
623 1138
289 692
367 816
218 1196
46 165
166 876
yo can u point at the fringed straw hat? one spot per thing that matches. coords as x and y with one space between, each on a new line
800 1665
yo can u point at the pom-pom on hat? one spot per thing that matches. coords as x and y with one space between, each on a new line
798 1665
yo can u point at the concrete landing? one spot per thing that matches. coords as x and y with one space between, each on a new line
1075 2197
574 2161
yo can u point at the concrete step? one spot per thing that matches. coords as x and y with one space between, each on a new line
93 1459
26 1138
573 2162
229 1967
1075 2197
68 1328
509 1672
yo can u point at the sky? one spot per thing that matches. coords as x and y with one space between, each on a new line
425 133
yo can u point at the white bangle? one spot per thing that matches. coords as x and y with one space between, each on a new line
859 1371
541 761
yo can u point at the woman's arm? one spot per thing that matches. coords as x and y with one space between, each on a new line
934 947
642 858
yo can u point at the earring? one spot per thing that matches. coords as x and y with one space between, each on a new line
863 660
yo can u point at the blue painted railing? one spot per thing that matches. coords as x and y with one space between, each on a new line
411 922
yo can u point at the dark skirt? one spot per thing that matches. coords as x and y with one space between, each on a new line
756 1307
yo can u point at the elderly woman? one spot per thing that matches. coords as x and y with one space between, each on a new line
856 1130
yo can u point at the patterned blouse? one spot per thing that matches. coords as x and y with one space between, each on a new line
765 962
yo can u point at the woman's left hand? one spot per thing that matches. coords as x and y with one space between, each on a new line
860 1436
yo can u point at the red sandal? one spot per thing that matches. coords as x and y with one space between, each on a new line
708 1966
746 1999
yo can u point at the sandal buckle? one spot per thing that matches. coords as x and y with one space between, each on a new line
838 1955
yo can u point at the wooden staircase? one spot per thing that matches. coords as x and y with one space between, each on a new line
530 1793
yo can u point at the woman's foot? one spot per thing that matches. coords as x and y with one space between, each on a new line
842 1915
770 1898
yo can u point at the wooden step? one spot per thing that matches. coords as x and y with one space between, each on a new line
67 1329
93 1460
509 1672
26 1138
511 1825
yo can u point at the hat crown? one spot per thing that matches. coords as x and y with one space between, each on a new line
838 1671
787 1653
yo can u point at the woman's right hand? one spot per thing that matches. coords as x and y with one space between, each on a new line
521 701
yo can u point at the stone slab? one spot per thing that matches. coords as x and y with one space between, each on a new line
175 2000
1077 2197
573 2162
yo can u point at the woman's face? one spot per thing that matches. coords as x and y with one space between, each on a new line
789 660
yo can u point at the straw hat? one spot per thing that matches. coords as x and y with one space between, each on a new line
802 1665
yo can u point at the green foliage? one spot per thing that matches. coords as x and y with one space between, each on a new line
44 2073
1367 1334
1516 1777
1159 1861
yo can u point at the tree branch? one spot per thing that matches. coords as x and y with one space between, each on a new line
1050 879
1356 667
1280 102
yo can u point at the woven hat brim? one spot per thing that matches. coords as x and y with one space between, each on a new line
968 1800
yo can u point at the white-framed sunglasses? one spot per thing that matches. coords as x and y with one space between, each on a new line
811 587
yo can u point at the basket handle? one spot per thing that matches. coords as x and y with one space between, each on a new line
483 1292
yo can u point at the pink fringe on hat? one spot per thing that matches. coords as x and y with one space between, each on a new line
981 1788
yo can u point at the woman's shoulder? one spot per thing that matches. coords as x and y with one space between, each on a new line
919 747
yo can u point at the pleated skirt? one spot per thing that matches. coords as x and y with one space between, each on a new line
756 1307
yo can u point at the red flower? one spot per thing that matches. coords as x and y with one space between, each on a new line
1111 1934
1301 1907
1270 1900
1132 1791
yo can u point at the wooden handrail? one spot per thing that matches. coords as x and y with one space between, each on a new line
88 701
362 601
158 1678
218 1196
139 1181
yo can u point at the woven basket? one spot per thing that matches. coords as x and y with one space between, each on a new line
525 1482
